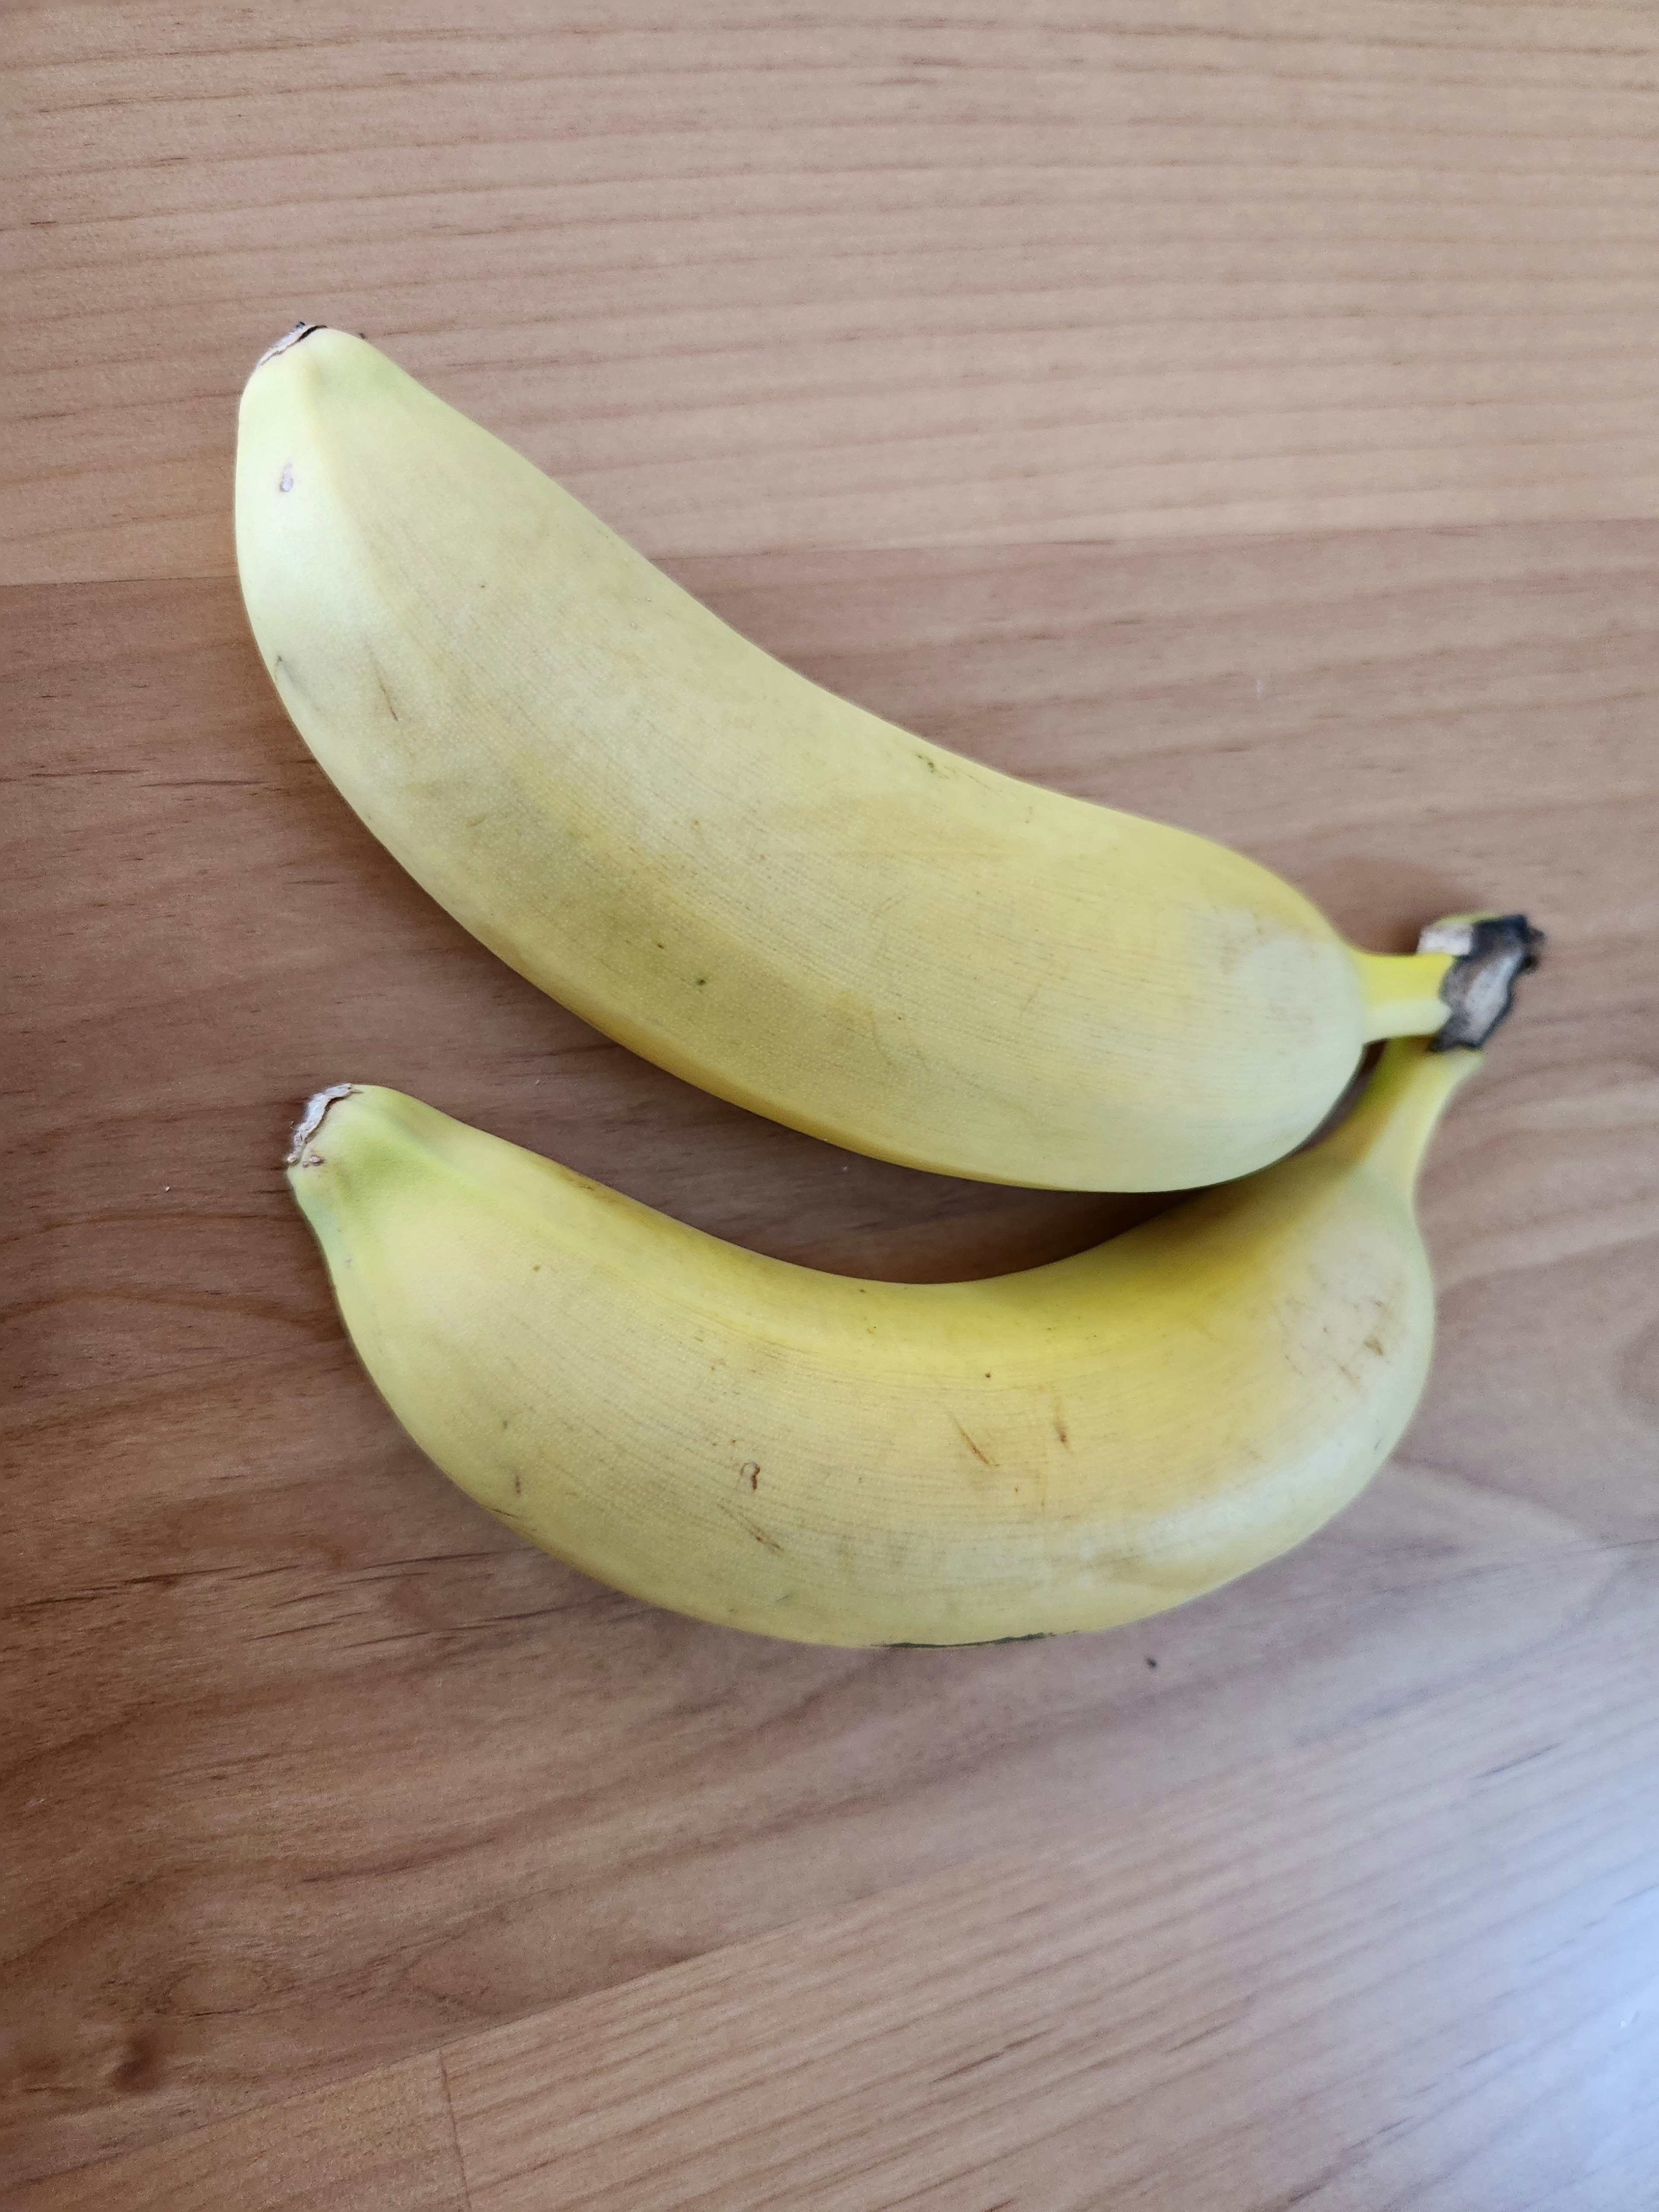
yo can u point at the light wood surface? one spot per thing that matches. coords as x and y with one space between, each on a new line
749 277
1253 1997
383 2142
353 1854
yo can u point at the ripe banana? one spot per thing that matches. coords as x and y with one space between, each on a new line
760 886
847 1463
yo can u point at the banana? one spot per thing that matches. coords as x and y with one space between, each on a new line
860 1463
765 889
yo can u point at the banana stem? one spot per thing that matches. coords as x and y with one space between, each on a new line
1402 992
1410 1090
1457 986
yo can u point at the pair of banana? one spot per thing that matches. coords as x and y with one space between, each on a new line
806 911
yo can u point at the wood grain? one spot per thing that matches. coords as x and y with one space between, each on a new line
1245 1998
1245 416
747 276
382 2142
314 1767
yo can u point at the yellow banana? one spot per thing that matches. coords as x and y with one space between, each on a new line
760 886
858 1463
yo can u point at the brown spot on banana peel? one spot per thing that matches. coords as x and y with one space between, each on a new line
387 694
971 1445
760 1535
976 1643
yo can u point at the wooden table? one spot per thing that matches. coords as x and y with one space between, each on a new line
1250 414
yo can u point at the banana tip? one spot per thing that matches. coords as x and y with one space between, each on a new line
290 338
311 1120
